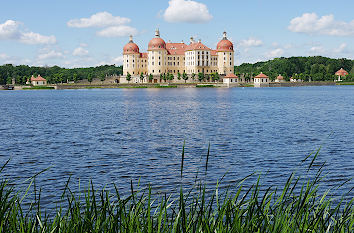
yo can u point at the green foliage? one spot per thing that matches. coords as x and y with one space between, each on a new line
298 206
129 77
200 76
38 88
141 77
89 78
54 74
317 68
185 77
193 76
179 75
151 77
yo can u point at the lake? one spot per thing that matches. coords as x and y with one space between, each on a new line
119 135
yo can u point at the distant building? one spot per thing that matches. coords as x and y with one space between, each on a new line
279 79
341 74
261 80
292 79
231 80
38 81
174 58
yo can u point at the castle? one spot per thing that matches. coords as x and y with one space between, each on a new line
174 58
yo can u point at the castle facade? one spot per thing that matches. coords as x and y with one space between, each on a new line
174 58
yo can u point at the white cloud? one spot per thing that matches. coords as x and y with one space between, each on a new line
46 54
117 31
35 38
3 56
100 19
251 42
275 53
187 11
10 30
317 50
118 60
111 61
80 51
342 48
311 23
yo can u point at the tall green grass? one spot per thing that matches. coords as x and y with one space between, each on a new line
296 207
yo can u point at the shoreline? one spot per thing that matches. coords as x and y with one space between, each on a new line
170 85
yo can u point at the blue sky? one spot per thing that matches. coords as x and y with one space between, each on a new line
81 33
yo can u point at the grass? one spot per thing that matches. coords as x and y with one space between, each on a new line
205 85
246 85
164 86
296 207
38 88
344 83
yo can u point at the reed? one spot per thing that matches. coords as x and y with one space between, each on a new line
296 207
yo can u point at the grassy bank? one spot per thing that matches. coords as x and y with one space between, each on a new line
296 207
344 83
38 88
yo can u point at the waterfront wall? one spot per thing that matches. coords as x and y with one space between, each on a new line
301 84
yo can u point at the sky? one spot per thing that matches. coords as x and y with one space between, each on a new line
83 33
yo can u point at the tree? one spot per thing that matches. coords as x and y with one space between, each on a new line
141 77
179 75
89 78
193 76
216 76
75 78
171 77
185 77
200 76
166 76
103 77
129 77
150 77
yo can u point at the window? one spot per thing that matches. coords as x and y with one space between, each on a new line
159 63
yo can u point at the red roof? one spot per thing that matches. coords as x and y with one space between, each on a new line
280 77
213 52
143 55
225 45
156 43
197 46
39 78
176 48
231 75
342 72
130 48
261 75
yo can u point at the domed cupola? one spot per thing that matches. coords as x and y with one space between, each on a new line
131 47
225 45
156 43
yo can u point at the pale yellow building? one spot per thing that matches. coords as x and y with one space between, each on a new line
38 81
174 58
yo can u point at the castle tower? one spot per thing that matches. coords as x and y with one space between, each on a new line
157 55
130 58
225 52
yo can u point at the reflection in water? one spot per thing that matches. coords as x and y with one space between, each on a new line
118 135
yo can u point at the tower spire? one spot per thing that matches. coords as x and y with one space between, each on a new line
157 32
224 36
131 39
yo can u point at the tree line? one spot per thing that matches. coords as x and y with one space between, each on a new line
306 68
55 74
